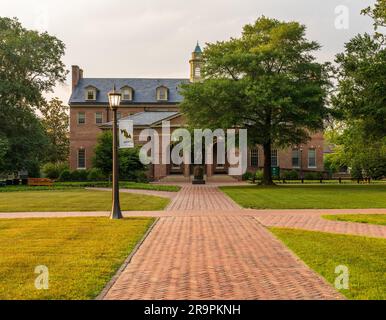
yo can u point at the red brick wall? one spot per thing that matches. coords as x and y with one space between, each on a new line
85 135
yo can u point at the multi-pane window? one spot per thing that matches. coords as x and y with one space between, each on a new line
98 117
81 159
90 94
119 115
162 94
81 118
311 158
274 158
127 94
254 157
295 158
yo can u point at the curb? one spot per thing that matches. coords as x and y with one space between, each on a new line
112 281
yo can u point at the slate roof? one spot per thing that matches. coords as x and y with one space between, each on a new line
146 118
144 89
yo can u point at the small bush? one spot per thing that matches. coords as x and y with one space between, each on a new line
79 175
54 170
259 175
95 174
247 176
290 175
313 176
65 175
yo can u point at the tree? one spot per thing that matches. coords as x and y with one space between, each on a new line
360 99
361 94
55 121
266 81
30 65
364 156
130 166
25 141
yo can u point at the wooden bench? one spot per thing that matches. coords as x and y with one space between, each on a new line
40 182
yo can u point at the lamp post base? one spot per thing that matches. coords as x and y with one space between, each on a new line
116 213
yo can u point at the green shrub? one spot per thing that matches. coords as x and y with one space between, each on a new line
65 175
53 170
247 176
95 174
313 175
79 175
290 175
259 175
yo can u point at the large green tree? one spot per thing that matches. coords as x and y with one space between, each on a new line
30 65
267 81
361 75
55 120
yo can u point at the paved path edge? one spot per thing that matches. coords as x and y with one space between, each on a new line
127 261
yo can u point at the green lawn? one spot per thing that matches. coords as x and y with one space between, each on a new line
361 218
97 184
309 197
323 252
81 254
76 200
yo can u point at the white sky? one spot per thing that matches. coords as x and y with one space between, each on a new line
154 38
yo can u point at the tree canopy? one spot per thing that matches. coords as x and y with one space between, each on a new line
266 81
55 121
30 65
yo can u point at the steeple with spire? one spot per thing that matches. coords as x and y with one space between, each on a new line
195 64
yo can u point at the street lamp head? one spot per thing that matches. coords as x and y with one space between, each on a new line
114 98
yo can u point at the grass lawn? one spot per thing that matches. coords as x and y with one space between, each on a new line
76 200
361 218
309 197
81 254
100 184
323 252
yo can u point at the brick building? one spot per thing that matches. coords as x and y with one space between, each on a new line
148 102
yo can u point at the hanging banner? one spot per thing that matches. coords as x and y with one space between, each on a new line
126 134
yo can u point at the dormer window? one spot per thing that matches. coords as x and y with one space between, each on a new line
162 94
91 93
127 93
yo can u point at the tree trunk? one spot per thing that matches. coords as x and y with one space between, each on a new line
267 178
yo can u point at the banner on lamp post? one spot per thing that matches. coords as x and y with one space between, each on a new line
126 134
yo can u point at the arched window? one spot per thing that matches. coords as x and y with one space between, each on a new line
162 93
127 93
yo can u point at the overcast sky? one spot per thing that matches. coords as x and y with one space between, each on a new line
154 38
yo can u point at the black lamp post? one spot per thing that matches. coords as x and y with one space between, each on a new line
301 163
115 101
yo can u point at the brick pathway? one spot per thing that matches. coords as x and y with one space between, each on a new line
317 223
201 198
211 249
216 258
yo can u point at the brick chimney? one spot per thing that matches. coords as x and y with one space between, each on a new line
77 74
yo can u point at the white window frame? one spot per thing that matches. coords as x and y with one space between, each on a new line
275 151
89 90
314 150
298 157
159 94
96 113
85 158
78 117
254 152
129 90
